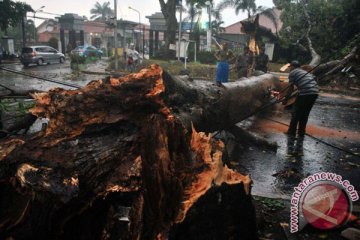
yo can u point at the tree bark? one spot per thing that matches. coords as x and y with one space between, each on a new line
355 53
121 159
169 9
316 58
212 108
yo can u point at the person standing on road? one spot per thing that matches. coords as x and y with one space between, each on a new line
308 91
133 58
224 55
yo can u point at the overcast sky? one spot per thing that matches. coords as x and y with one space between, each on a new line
145 7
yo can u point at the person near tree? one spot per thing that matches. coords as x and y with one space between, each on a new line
224 56
308 91
243 63
133 58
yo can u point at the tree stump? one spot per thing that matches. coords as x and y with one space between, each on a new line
122 158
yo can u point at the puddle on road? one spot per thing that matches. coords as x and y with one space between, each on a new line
58 72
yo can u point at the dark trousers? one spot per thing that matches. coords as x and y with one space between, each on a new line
300 114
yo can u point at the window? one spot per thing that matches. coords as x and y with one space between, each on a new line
40 49
49 49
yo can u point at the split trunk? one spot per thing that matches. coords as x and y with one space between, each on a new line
124 158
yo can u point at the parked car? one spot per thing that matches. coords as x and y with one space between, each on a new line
40 55
87 51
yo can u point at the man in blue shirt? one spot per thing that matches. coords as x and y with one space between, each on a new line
308 91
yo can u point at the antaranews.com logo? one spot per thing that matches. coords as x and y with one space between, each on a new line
323 200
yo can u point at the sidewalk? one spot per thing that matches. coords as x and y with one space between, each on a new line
10 61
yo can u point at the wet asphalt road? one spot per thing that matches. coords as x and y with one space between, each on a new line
333 119
58 72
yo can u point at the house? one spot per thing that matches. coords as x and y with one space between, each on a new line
95 33
48 29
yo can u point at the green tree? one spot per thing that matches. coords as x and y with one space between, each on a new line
101 12
323 26
16 33
168 9
11 13
194 11
248 6
29 31
53 42
216 27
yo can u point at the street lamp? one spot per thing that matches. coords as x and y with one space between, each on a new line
38 10
141 47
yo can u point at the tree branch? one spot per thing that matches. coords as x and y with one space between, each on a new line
316 58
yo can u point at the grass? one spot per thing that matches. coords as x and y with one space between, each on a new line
195 70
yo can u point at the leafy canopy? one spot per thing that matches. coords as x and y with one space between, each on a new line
248 6
101 11
11 13
333 24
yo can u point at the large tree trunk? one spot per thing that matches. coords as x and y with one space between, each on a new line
169 9
127 145
315 57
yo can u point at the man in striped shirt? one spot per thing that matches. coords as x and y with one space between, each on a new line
308 91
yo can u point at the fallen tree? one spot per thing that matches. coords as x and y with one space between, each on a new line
123 158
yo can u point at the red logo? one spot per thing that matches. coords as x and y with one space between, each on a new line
325 206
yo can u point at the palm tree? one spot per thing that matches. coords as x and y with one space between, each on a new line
216 27
193 11
12 13
248 6
101 12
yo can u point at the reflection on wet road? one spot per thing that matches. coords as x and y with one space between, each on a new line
58 72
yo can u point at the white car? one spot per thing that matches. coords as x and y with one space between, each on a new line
40 55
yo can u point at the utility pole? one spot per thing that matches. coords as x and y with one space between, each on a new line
115 37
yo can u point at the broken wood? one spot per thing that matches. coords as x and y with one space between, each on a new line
120 158
355 53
